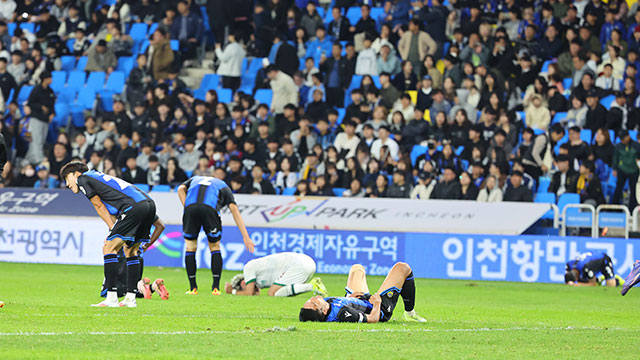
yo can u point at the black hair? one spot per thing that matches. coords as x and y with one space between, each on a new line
72 167
569 276
311 315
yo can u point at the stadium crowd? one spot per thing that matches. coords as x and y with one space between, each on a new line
472 100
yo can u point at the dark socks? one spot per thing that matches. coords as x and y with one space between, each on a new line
216 268
133 274
409 293
111 272
190 264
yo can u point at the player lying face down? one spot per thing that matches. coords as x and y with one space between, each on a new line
284 274
583 270
359 306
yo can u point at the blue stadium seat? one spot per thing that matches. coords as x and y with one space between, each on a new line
12 94
152 28
199 94
416 151
87 98
70 42
566 83
58 79
225 95
338 191
633 134
522 116
143 46
11 28
189 173
126 64
61 116
161 188
545 197
106 99
115 82
30 27
143 187
543 184
558 117
567 198
82 63
209 82
138 31
24 93
586 135
354 15
175 45
377 14
264 96
341 114
77 115
545 66
68 62
95 81
607 101
67 95
289 191
376 81
77 80
356 80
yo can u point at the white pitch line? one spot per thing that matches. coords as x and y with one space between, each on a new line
409 330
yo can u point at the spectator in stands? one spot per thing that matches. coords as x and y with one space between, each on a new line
468 190
565 178
160 55
284 90
425 186
134 174
355 189
257 183
407 79
188 160
606 81
310 19
44 179
415 44
175 174
101 58
17 69
625 167
602 147
536 160
399 188
384 141
156 174
449 187
7 82
336 76
187 28
347 142
230 62
40 109
491 191
588 185
367 62
538 116
578 149
339 26
81 44
595 117
286 178
517 191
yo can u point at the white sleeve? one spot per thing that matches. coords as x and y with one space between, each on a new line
249 272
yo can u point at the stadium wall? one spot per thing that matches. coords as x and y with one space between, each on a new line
31 230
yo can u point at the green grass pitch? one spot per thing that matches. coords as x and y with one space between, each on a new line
47 315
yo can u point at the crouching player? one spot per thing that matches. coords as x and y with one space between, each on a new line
134 212
285 274
203 197
584 268
359 306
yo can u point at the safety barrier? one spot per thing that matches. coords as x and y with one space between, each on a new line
613 219
579 219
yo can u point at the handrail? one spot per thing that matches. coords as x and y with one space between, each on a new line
613 207
634 218
594 227
556 216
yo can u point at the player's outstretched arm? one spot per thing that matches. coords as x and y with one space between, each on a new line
243 229
157 231
182 194
102 211
249 290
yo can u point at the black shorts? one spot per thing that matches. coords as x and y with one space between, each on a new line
134 224
201 216
603 266
389 300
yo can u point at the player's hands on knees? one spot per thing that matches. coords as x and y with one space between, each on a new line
375 299
249 245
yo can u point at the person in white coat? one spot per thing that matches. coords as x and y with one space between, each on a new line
491 191
285 91
230 63
367 63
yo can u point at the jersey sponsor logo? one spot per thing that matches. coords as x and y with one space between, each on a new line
390 294
347 314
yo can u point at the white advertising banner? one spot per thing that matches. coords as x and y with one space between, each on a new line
393 215
55 240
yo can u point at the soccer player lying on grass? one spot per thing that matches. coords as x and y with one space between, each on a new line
359 306
135 213
285 274
584 268
203 197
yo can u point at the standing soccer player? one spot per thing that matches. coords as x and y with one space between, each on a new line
128 212
203 197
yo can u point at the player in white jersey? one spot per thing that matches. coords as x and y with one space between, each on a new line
285 274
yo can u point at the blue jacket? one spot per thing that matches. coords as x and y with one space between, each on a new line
194 27
607 29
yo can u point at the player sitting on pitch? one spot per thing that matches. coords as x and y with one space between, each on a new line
359 306
203 197
135 213
285 274
584 268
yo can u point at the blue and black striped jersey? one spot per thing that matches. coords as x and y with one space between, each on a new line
116 194
209 191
